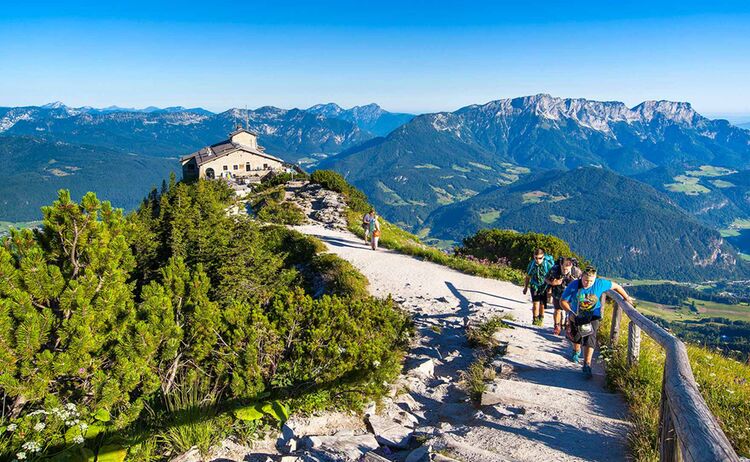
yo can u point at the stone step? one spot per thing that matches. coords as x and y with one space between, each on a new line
562 400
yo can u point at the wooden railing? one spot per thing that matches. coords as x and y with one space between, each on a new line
687 429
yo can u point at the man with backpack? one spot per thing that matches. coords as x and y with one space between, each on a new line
366 224
536 275
582 300
564 272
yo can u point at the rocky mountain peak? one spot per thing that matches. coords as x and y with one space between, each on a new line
679 112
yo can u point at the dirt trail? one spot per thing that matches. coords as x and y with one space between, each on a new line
541 408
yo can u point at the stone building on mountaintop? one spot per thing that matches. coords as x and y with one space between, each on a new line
239 158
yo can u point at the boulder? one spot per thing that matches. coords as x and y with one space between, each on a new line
388 432
423 368
421 454
346 448
192 455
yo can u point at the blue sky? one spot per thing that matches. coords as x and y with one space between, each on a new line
409 56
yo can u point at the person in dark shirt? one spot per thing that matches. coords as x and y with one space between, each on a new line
563 273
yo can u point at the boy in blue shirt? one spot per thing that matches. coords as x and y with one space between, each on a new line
582 299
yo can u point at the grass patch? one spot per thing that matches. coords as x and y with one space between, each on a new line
481 166
710 170
722 184
535 197
443 196
474 379
689 185
561 220
481 335
724 384
695 310
391 197
490 216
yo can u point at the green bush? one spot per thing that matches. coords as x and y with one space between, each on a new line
284 213
296 248
339 277
517 248
481 335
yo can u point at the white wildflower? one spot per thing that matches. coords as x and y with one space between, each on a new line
342 350
69 423
70 407
78 439
12 427
32 446
84 426
21 455
39 427
38 412
376 364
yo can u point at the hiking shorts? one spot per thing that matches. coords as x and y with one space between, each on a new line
589 340
539 295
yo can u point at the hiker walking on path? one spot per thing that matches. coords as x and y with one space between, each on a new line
536 275
564 272
374 227
582 299
366 224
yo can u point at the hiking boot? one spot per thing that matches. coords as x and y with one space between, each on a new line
576 357
587 371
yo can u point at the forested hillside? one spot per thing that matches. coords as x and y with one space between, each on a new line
623 226
32 170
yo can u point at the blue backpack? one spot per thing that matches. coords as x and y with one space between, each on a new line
538 272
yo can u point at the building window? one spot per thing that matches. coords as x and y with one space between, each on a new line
226 167
265 166
248 167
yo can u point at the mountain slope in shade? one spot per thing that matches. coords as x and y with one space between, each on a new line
32 170
625 227
371 118
534 132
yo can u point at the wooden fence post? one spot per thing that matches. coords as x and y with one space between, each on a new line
614 333
669 450
634 343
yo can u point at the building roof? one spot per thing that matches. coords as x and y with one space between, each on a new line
240 130
213 152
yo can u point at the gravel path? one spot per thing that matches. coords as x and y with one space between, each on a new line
540 408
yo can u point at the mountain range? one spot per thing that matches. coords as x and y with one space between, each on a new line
444 157
123 152
521 163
